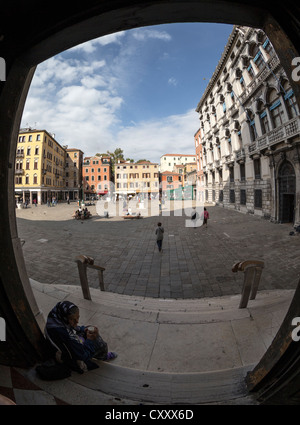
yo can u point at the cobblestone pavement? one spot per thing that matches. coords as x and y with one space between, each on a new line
194 263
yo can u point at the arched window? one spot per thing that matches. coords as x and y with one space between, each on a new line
222 100
228 137
251 71
290 100
276 109
239 76
253 133
264 120
257 56
218 145
267 45
237 128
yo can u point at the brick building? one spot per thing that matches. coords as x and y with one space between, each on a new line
96 175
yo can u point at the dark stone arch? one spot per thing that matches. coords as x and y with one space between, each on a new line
51 29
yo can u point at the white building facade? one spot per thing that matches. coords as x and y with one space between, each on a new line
169 160
249 131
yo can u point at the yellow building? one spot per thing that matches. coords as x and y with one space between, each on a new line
39 167
73 173
136 179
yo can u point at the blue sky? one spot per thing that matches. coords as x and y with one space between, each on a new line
136 90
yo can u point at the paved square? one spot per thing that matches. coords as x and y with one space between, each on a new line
194 263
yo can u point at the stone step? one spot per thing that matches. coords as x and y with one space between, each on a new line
159 310
133 386
173 351
166 388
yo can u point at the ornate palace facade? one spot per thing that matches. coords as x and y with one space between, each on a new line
249 131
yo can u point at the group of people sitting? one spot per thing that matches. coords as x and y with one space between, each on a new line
82 214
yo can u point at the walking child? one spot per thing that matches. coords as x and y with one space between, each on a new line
159 236
205 217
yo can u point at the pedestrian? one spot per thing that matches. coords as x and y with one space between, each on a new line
205 217
74 345
159 236
34 201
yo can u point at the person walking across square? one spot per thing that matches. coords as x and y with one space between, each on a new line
205 217
159 236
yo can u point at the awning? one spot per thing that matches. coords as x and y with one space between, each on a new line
125 192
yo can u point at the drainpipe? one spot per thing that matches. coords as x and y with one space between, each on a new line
275 188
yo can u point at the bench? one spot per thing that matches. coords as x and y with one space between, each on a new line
130 217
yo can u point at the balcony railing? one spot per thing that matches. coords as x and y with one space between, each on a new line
229 158
259 78
240 154
19 172
279 134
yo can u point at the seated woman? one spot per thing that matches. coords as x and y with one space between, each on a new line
76 214
72 344
87 214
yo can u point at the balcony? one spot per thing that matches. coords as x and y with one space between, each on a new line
233 109
279 134
229 159
19 172
260 78
240 154
20 155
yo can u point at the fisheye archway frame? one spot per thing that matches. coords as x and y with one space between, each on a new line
49 30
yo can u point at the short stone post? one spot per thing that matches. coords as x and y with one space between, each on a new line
252 273
83 262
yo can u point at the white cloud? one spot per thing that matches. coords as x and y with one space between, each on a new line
172 81
144 34
80 102
91 45
152 139
76 100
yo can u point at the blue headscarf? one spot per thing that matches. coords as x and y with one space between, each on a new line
58 316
